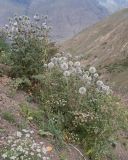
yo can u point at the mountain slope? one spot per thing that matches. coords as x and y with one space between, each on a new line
113 5
105 45
66 17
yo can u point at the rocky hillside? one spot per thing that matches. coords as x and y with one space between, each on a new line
105 45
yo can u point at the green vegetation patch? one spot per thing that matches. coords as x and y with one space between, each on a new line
8 117
118 66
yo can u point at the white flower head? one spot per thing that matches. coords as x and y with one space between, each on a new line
36 17
87 72
39 155
18 134
58 54
15 24
62 60
44 25
64 66
99 83
32 154
4 156
89 78
50 65
44 150
96 75
92 70
82 90
25 130
66 73
38 150
77 64
31 131
70 63
85 76
69 55
45 65
13 157
13 29
27 135
105 88
54 60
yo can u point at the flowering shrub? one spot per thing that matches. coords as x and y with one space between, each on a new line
22 146
75 98
72 98
29 43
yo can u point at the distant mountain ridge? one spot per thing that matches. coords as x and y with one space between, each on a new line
67 17
113 5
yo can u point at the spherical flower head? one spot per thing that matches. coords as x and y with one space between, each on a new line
77 64
25 130
50 65
13 29
13 157
69 55
96 75
4 156
44 25
82 90
66 73
87 72
18 134
105 88
89 79
64 66
85 76
27 135
36 17
99 83
58 54
70 63
54 60
39 155
92 70
15 24
62 59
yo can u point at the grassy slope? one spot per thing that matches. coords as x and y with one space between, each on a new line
105 44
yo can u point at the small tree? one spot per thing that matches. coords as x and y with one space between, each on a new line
30 46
